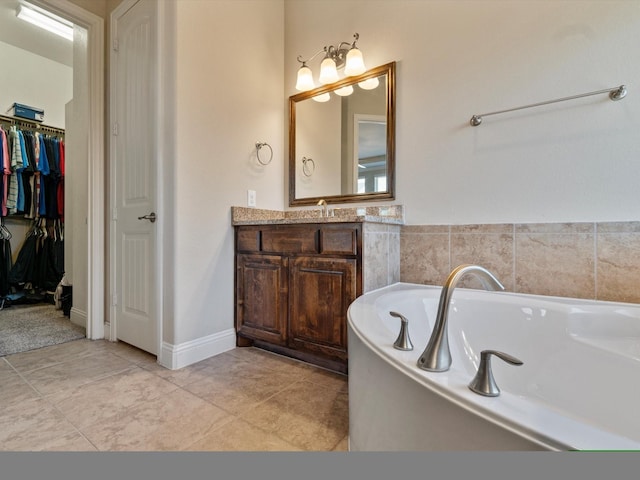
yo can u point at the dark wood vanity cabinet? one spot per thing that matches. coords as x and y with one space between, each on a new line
294 284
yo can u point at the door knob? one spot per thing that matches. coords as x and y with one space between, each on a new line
151 217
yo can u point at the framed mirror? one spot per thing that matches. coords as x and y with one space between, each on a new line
342 140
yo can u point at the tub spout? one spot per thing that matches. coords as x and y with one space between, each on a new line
436 356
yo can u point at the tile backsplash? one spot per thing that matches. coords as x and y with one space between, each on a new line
579 260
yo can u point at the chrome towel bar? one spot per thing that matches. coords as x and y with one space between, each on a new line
615 93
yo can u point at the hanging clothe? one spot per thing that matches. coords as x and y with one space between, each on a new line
5 262
32 167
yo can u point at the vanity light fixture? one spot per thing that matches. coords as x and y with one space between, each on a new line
46 20
345 55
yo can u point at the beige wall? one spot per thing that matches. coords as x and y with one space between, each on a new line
228 95
569 162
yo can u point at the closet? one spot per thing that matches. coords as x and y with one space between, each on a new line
32 159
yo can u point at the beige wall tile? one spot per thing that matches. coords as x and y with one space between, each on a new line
424 258
506 228
618 227
557 259
425 229
555 227
491 251
555 264
381 255
618 267
376 260
394 256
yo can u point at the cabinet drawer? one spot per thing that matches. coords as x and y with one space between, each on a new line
339 240
248 239
290 240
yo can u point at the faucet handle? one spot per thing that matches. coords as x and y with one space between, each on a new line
484 383
403 342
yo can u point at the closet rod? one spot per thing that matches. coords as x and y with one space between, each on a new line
615 93
25 122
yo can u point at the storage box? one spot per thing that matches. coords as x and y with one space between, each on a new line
25 111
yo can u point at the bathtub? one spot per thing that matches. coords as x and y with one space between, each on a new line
578 387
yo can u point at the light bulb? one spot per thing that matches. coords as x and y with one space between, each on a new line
344 91
328 71
355 63
305 79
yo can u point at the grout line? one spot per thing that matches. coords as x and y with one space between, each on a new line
514 256
595 260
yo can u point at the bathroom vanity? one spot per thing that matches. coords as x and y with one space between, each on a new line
296 273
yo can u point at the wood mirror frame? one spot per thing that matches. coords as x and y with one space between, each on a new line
388 71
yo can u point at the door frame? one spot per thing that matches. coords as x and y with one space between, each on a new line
96 170
162 149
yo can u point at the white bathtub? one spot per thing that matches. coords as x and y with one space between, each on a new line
578 389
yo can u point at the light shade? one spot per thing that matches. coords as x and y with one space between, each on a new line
369 84
305 79
355 63
46 20
344 91
328 71
323 97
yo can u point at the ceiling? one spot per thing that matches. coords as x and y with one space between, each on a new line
23 35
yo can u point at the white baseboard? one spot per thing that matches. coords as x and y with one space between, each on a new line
78 317
188 353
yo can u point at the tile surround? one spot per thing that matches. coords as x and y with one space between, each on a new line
590 260
598 261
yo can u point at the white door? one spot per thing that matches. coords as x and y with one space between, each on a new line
134 301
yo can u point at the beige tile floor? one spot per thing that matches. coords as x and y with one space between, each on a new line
104 396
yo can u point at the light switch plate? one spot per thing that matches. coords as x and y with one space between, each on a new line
251 198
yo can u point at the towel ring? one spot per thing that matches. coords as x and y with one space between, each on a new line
305 166
259 145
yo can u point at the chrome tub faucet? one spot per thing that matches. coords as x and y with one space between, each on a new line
436 356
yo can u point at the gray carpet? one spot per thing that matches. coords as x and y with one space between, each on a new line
27 327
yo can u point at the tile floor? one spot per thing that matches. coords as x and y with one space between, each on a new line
102 396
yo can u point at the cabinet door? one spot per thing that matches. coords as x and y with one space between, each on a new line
322 290
261 297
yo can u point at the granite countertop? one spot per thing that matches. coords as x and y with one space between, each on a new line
391 214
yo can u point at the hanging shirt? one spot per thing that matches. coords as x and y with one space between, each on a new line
53 153
16 163
28 175
43 168
61 183
6 170
20 206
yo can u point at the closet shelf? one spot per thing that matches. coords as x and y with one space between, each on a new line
31 124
